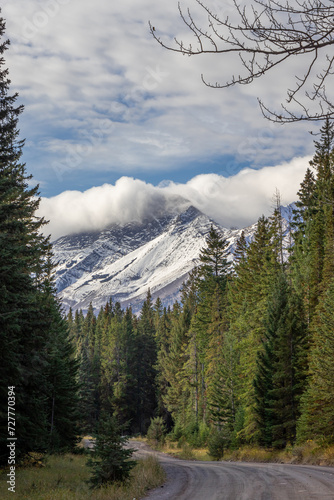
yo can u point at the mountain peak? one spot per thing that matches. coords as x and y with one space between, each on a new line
123 261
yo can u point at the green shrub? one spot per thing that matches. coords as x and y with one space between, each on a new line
197 434
157 431
176 433
216 444
181 442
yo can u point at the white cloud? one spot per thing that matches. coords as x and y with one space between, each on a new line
232 201
241 199
76 62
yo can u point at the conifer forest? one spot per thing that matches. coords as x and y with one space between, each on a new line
246 354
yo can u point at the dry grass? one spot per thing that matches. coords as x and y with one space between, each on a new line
314 453
250 454
65 478
185 452
310 453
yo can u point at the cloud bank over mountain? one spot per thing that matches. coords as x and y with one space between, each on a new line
108 102
235 201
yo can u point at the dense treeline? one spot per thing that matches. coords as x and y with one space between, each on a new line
245 356
248 351
38 370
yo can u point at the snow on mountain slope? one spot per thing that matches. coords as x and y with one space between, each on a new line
81 254
104 269
123 262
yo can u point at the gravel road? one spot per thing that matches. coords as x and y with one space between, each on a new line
188 480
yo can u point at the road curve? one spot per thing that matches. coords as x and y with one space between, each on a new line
188 480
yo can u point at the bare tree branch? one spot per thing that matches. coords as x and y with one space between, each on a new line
267 34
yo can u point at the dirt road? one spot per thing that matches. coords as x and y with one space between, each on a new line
187 480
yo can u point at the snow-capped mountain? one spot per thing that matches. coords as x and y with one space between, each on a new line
124 261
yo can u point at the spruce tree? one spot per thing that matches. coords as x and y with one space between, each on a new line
240 249
208 323
163 328
146 357
248 302
323 159
176 396
88 372
61 389
111 460
123 382
280 377
321 224
35 347
23 251
317 418
213 257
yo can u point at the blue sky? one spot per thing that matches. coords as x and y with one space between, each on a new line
103 100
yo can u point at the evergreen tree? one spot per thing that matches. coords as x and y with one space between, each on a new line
300 258
213 257
163 328
111 461
317 418
89 375
87 410
146 357
323 159
177 393
280 377
124 379
313 241
248 298
61 378
222 385
208 322
25 337
240 251
128 410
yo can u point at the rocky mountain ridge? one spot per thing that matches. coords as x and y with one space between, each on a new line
123 261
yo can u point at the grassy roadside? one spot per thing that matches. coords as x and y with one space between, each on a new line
64 478
310 453
184 452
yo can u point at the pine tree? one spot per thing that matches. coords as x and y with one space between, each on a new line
300 258
87 410
213 257
222 385
248 302
129 411
24 340
208 322
163 328
124 386
146 357
321 222
240 251
323 159
280 377
89 372
317 418
111 461
61 378
183 364
176 397
110 357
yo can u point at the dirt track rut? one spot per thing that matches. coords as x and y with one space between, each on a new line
188 480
